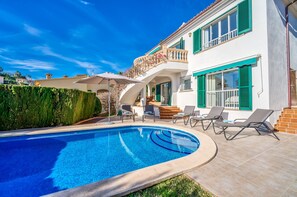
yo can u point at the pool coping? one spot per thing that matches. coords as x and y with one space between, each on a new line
138 179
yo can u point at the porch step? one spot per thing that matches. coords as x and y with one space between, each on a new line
155 103
169 113
166 112
287 121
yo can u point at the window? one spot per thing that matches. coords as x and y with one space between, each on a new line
223 89
229 85
233 21
220 31
206 37
224 26
186 83
215 31
179 45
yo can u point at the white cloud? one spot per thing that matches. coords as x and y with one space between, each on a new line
32 30
30 64
85 2
87 65
2 50
114 66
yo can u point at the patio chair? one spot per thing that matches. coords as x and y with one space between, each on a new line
127 111
214 114
255 121
149 111
188 111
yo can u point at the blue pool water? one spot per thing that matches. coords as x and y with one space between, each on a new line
43 164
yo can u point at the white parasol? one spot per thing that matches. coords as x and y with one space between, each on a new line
108 78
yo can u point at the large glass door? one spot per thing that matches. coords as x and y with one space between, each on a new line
166 93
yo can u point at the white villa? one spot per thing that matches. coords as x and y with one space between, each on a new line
240 54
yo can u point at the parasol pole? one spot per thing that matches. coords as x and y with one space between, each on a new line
108 83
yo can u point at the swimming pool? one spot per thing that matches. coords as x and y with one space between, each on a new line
43 164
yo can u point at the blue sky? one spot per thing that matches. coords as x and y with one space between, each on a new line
69 37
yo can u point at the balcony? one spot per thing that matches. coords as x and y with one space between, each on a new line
144 63
224 38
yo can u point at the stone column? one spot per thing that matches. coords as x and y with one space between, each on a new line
143 97
175 81
149 90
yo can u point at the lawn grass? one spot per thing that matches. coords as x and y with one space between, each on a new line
178 186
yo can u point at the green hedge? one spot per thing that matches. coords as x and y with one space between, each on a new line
31 107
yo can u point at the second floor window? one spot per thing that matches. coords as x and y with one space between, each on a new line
179 45
220 31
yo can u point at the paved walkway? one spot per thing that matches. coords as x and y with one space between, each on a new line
251 165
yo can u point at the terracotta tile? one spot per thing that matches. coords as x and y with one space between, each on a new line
287 115
294 120
282 129
282 120
293 124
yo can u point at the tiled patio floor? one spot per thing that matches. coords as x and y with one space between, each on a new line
251 165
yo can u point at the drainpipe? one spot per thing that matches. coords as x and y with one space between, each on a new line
288 52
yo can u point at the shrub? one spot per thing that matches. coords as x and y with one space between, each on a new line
29 107
98 107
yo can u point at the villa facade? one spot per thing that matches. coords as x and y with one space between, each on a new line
233 54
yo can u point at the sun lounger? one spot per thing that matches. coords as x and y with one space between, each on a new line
188 111
255 121
214 114
148 111
127 111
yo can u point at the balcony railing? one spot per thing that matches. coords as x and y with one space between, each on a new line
227 98
147 62
221 39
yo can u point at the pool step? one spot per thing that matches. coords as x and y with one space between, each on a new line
181 143
287 121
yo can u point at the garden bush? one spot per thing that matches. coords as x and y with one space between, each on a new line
31 107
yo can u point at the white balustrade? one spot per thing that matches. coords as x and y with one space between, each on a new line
147 62
220 39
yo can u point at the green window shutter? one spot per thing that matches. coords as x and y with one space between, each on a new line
158 92
244 14
197 41
201 94
182 43
245 87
